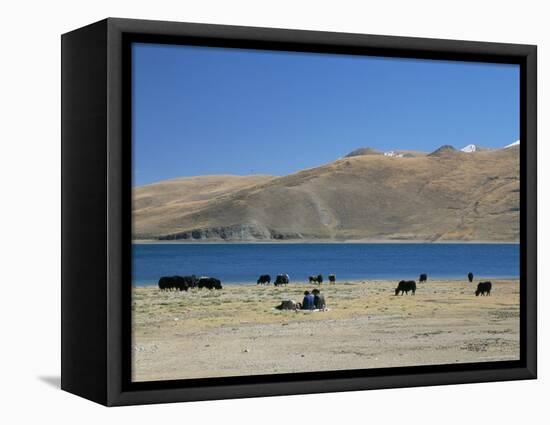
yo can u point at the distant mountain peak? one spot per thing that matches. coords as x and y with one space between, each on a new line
393 154
516 143
443 150
473 148
363 151
469 148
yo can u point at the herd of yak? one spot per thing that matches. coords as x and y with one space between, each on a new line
184 283
283 279
406 286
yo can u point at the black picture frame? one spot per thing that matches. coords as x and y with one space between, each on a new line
96 214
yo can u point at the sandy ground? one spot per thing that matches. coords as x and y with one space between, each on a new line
236 330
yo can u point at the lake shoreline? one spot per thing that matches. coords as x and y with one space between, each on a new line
314 241
326 282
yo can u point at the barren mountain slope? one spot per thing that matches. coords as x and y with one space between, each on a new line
156 204
451 196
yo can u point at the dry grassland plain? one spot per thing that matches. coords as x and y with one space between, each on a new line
237 331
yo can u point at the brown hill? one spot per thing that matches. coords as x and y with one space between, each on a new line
454 196
363 151
411 153
443 150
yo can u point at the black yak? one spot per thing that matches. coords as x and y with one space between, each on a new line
423 278
186 282
209 282
192 281
405 286
281 279
177 283
316 279
470 277
166 283
180 283
332 278
483 288
263 279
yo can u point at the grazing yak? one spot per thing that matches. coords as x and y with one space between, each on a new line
209 282
289 305
177 283
316 279
405 286
186 282
483 288
264 279
423 278
281 279
470 277
332 278
166 283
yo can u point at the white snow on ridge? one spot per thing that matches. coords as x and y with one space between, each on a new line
512 144
393 154
469 148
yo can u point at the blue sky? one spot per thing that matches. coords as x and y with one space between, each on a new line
203 110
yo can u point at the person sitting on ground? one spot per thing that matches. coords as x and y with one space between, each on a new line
319 300
309 301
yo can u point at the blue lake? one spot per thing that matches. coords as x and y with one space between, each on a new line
243 263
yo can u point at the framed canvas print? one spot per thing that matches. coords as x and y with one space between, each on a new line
253 212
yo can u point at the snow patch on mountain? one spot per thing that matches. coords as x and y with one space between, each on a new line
516 143
393 154
469 148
